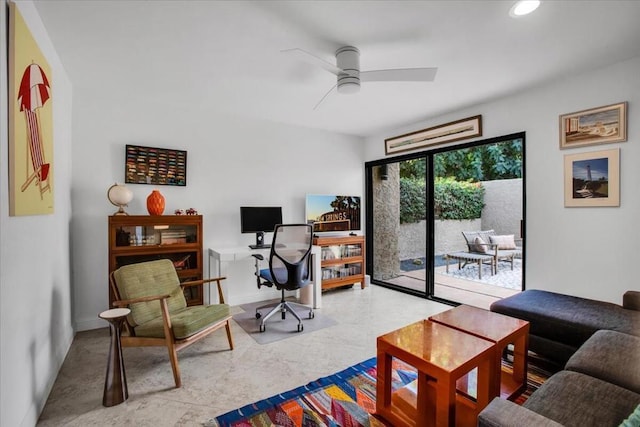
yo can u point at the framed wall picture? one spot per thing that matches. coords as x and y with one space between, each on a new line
156 166
31 162
448 132
601 125
592 179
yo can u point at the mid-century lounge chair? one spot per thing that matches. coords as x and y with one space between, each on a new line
159 313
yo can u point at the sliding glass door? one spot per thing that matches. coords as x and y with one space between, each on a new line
399 226
421 206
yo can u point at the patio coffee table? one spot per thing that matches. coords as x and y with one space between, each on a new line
472 257
501 330
443 357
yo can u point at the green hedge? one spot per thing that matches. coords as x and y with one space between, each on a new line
453 199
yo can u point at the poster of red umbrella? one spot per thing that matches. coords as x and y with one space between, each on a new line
30 122
33 93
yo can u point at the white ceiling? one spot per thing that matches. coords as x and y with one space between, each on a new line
226 56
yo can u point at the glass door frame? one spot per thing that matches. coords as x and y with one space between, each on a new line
428 155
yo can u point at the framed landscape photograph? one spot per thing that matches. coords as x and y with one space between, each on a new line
454 131
601 125
592 179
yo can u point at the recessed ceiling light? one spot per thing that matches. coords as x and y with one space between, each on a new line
523 7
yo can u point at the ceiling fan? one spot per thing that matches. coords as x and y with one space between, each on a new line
349 76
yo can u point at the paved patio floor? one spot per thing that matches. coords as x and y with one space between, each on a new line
454 289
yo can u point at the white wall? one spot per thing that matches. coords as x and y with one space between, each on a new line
589 252
232 161
35 296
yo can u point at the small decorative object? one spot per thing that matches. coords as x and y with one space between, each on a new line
192 211
155 203
178 212
119 196
603 125
592 179
449 132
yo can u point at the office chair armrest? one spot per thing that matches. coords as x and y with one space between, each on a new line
258 256
126 302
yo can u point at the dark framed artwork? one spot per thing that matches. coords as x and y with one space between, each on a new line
156 166
470 127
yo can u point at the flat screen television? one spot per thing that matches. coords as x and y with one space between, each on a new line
332 213
259 220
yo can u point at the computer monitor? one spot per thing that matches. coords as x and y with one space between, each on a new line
259 220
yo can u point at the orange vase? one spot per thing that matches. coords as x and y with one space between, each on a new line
155 203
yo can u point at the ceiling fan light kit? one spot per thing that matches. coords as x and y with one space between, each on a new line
349 76
348 60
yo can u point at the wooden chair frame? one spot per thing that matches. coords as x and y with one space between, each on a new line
170 341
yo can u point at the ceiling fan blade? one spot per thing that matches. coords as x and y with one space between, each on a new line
400 75
310 58
325 95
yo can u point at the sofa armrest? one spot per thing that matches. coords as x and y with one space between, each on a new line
631 300
504 413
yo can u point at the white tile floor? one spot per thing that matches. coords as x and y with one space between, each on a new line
216 380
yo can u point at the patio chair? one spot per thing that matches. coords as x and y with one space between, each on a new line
500 247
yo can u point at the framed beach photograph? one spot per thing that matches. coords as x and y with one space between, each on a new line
454 131
601 125
592 179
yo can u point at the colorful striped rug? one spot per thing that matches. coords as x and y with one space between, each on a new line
347 398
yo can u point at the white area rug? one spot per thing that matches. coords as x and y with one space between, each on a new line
276 328
505 278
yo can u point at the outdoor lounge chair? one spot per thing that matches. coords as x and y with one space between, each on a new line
499 247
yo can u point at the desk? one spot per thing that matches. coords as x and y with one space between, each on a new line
221 258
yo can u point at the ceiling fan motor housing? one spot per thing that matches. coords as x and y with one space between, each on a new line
348 59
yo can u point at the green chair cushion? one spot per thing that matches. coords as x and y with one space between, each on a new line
151 278
186 322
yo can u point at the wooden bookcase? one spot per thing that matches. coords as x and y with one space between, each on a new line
342 260
139 238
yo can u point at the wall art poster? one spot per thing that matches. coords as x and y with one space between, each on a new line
157 166
30 122
592 179
602 125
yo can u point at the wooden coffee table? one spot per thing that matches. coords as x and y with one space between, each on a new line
443 357
501 330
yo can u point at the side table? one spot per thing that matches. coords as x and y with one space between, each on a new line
444 357
501 330
115 384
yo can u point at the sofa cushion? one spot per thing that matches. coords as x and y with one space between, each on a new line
611 356
504 242
187 321
574 399
565 318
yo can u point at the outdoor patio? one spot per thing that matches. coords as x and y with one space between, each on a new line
464 286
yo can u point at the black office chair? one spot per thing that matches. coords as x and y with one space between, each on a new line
289 269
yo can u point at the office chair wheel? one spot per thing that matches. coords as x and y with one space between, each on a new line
311 314
300 327
258 315
263 328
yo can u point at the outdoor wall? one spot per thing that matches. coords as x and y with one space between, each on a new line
502 210
35 294
386 217
562 243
